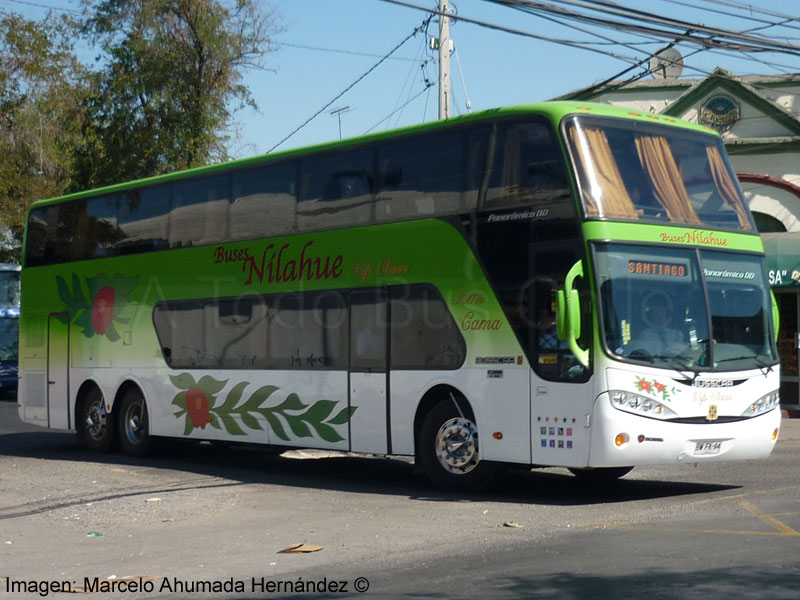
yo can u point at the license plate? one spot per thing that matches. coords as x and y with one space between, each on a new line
706 448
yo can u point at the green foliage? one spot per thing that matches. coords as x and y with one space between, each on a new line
158 97
174 72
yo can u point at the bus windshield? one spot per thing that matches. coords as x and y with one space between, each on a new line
684 308
649 173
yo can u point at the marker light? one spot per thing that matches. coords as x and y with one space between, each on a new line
498 435
622 438
775 434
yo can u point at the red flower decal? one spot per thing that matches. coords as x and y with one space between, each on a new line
644 385
659 386
197 406
103 309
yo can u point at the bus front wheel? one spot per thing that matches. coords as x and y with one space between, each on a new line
133 424
94 424
449 451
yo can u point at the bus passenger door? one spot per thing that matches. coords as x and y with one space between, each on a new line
58 413
368 371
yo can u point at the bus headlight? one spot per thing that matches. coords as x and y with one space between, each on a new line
763 404
640 405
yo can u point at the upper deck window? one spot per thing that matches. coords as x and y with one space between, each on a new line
644 172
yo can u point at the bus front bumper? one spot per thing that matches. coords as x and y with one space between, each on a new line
624 439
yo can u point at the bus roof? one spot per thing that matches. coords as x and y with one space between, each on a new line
554 111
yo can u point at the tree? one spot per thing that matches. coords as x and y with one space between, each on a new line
41 86
172 81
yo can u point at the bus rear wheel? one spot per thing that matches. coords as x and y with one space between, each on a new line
133 424
449 451
94 424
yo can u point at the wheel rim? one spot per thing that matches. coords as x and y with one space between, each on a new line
135 422
96 420
457 446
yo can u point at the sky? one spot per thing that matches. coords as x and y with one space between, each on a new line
325 46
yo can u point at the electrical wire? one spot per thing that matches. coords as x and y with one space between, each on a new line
347 89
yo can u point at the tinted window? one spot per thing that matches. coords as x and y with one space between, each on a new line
523 166
420 176
102 229
143 219
336 190
199 212
263 201
423 333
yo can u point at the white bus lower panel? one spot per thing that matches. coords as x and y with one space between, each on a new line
620 439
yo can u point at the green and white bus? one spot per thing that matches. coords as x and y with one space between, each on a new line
559 284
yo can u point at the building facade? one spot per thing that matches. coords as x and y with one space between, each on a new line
759 120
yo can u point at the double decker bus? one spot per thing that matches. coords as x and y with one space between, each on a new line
560 284
9 326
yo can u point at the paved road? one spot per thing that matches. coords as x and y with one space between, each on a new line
220 516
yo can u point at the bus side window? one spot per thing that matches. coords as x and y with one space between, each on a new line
199 212
72 231
526 166
336 190
143 219
263 201
102 227
418 177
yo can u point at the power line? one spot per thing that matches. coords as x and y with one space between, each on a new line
347 89
339 51
47 6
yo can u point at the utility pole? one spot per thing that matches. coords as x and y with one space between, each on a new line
444 60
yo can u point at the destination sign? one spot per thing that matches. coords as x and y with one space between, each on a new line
663 269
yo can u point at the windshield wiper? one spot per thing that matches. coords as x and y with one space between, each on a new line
680 364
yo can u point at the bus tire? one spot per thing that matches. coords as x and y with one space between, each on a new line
601 475
94 423
133 423
449 452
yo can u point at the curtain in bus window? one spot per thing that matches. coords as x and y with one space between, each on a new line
199 212
263 201
143 217
656 156
604 192
420 177
335 190
726 186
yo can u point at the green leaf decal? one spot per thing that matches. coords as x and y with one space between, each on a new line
275 425
183 381
343 416
231 425
250 421
328 433
199 407
180 400
210 385
298 428
319 411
